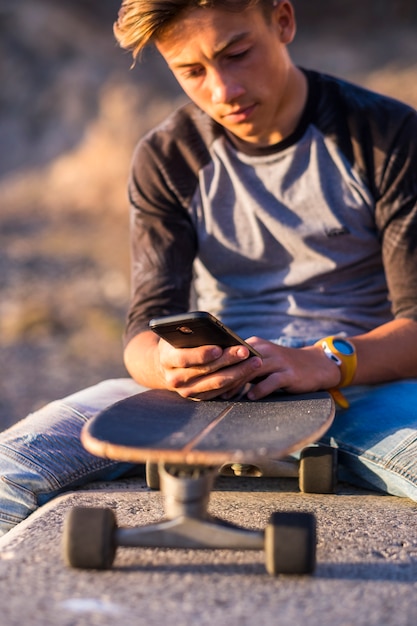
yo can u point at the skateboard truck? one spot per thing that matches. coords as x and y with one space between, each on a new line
91 535
316 470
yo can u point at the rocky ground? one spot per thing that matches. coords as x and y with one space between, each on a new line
70 114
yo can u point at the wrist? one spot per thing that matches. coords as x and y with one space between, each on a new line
324 371
343 354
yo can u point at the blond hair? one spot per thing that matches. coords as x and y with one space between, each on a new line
141 22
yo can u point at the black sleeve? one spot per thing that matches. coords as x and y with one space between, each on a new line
396 217
378 135
163 241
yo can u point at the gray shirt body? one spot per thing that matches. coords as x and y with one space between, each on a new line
314 236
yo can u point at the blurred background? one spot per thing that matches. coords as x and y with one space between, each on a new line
71 111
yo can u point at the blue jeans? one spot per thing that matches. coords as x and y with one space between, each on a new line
42 456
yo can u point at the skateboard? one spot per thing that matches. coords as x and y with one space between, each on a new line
189 442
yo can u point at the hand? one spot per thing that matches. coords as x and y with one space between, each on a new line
296 370
206 372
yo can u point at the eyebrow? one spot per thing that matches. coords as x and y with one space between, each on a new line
220 49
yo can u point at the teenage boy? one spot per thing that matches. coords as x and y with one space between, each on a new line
287 200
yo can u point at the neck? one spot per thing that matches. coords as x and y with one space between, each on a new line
292 107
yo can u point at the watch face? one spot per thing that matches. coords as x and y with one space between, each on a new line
343 346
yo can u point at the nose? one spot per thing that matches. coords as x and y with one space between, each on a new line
224 88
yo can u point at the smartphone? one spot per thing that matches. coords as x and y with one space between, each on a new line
197 328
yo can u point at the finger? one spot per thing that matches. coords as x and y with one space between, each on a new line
172 358
224 381
230 357
265 387
237 393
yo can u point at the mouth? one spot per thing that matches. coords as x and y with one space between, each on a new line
239 115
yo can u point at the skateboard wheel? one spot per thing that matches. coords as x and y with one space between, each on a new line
318 469
152 476
89 538
290 543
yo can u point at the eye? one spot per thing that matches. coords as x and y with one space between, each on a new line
238 55
193 72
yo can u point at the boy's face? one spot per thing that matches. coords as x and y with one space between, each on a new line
236 68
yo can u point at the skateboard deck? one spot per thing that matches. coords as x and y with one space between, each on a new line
159 426
189 441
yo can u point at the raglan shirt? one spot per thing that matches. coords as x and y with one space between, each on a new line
312 236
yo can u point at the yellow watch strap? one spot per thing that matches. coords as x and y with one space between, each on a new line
342 352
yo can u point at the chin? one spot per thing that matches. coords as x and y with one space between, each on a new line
244 133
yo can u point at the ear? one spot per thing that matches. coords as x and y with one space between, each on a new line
283 17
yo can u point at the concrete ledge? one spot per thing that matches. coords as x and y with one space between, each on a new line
366 572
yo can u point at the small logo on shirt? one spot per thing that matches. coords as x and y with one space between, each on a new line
337 232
